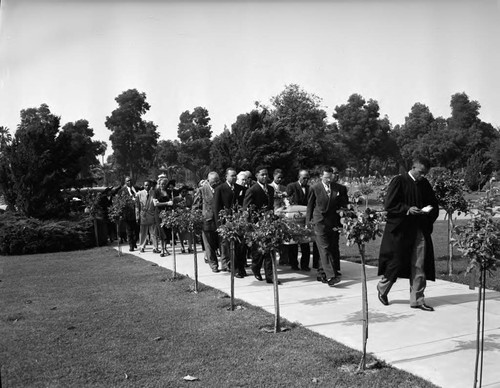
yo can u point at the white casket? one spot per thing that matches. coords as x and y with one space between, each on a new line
295 214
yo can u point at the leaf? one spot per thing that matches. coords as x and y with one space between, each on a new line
191 378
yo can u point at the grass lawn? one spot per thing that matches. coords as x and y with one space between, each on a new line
440 242
91 318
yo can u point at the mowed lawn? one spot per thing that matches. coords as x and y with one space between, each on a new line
91 318
440 242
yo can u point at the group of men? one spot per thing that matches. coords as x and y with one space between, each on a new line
406 250
322 200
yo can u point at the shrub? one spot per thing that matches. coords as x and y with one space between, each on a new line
23 235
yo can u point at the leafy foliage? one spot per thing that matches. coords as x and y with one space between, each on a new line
477 171
360 227
479 239
122 208
449 191
20 235
182 219
270 231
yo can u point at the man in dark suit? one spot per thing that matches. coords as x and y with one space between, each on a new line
325 198
406 250
297 193
226 198
261 196
130 217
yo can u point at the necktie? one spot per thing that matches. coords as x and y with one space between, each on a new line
328 191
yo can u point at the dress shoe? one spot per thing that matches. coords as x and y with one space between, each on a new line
333 281
215 270
156 250
423 307
242 273
238 275
383 298
225 269
270 281
307 269
258 276
131 249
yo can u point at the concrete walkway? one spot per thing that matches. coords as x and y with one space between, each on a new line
438 346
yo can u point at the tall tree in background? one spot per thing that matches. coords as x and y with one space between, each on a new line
133 139
194 132
362 132
82 151
6 179
41 160
417 124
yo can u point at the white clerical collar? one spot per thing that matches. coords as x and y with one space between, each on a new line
412 177
230 186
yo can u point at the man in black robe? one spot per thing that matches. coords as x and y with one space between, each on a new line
406 250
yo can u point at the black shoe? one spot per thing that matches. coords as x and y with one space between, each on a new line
307 269
258 276
242 273
383 298
215 270
238 275
423 307
131 249
225 269
332 281
270 281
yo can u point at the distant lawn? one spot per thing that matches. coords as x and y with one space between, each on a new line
440 242
91 318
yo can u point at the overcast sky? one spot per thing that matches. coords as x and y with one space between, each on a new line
77 56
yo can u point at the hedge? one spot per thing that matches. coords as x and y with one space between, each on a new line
21 235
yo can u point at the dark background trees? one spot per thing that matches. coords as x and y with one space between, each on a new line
290 133
40 160
133 139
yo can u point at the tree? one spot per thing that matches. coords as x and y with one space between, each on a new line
133 139
450 195
417 124
361 130
194 133
82 151
6 179
477 171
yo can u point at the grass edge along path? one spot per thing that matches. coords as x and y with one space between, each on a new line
91 318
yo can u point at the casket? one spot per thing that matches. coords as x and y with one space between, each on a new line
295 214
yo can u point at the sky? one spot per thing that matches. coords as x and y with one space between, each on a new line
78 56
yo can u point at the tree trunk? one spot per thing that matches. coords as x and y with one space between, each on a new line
450 244
96 232
173 253
193 237
118 238
231 255
277 323
478 367
364 293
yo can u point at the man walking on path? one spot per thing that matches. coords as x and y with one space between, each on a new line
325 198
204 201
146 214
406 250
260 197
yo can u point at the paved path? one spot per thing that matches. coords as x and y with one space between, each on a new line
438 346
